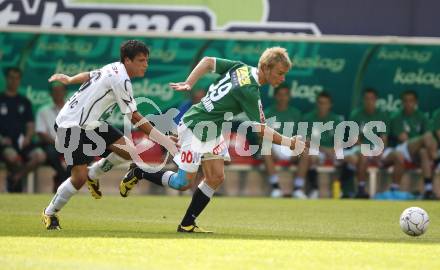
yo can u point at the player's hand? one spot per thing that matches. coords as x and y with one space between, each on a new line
175 139
171 145
173 148
181 86
297 142
60 78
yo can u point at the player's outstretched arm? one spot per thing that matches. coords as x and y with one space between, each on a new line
65 79
207 64
295 143
143 124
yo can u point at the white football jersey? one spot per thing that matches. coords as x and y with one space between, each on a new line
97 98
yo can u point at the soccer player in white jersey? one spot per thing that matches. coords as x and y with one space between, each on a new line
236 90
82 132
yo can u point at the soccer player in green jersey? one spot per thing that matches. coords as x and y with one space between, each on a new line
200 131
321 115
435 125
413 139
363 115
409 122
279 114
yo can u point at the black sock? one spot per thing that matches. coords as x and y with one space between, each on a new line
155 178
275 186
361 186
312 177
347 179
198 203
428 184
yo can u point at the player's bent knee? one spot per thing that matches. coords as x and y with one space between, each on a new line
215 180
78 182
78 178
41 157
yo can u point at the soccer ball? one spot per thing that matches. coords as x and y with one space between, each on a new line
414 221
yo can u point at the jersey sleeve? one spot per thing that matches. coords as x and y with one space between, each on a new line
387 121
124 96
223 65
396 126
40 124
436 121
268 112
338 119
353 116
94 73
251 105
28 111
425 123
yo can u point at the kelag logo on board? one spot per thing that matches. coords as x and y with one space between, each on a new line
196 16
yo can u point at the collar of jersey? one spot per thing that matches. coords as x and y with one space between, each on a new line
255 74
122 66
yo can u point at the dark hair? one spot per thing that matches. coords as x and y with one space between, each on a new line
372 91
324 94
11 69
279 88
131 48
409 92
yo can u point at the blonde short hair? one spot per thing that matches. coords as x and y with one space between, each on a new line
274 55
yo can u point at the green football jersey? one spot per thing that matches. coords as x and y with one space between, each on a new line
361 117
327 137
236 90
435 123
435 120
291 114
414 125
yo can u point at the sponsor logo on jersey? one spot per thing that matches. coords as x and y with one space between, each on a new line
243 75
115 69
190 157
220 148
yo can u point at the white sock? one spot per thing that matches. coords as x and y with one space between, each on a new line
395 186
428 187
166 178
273 179
65 191
207 190
104 165
299 182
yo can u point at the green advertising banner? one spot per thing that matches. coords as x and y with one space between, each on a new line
343 69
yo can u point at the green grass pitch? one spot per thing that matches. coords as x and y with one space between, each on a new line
250 233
